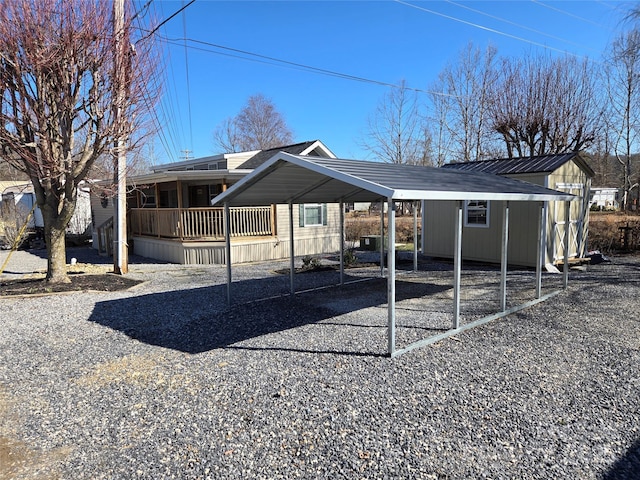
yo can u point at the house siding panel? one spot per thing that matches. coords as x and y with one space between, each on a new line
308 241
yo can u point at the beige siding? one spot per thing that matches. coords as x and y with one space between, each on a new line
308 241
483 244
569 175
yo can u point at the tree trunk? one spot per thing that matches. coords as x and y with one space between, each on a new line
57 255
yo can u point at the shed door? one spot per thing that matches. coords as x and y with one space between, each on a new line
575 221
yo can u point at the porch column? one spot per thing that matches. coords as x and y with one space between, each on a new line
292 262
567 235
457 265
391 277
341 242
542 256
503 259
180 213
227 239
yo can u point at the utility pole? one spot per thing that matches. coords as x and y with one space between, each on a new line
120 257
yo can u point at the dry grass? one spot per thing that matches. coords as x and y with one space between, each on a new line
138 370
605 232
357 226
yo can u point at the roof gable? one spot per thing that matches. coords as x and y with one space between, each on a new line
522 165
312 148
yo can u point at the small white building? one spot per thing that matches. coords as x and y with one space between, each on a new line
605 198
19 199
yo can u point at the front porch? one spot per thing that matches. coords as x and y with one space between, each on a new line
196 235
202 223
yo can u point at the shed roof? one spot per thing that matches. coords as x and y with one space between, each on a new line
514 166
303 179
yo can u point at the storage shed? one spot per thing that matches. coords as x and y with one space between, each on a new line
568 172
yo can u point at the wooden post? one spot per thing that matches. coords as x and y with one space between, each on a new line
120 257
274 213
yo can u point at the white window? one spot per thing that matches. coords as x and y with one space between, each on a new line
313 214
476 213
148 197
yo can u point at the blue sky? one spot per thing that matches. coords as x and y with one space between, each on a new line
383 41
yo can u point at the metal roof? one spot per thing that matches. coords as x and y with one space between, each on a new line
304 179
514 166
295 149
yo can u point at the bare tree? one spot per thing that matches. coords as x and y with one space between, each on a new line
541 105
622 79
396 131
58 107
460 105
258 126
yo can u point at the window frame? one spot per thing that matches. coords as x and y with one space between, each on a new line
469 209
303 214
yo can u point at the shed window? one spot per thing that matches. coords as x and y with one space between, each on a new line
476 213
313 214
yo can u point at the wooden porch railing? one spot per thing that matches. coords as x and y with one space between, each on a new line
205 223
105 237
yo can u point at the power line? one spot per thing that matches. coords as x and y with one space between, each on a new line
155 29
524 27
256 57
564 12
487 29
186 67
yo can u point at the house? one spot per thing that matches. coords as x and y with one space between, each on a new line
171 218
18 199
603 198
568 172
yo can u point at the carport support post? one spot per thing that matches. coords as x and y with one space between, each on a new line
391 276
457 265
542 257
503 259
292 259
567 233
341 242
382 237
227 239
415 236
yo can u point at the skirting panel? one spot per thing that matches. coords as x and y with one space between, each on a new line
213 253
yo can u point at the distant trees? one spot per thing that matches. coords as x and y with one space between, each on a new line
396 131
460 102
622 86
59 68
542 105
258 126
484 106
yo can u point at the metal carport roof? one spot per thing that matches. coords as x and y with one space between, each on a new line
302 179
292 179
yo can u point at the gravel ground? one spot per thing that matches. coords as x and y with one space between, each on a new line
165 381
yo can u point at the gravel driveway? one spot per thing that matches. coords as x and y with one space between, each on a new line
166 381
